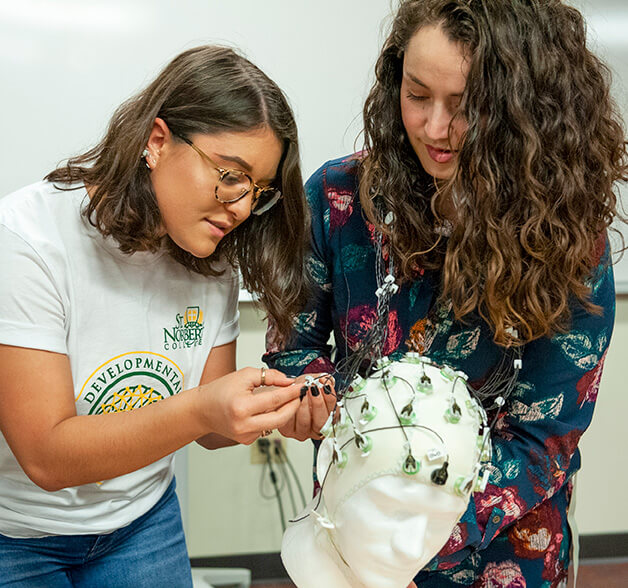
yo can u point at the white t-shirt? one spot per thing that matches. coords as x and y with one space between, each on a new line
136 328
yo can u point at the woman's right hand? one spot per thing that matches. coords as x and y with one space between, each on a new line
232 407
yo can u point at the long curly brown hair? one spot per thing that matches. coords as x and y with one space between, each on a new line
534 184
206 90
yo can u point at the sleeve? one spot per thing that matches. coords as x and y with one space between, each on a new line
307 348
32 312
535 441
230 328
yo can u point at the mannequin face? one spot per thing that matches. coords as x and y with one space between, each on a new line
376 526
393 525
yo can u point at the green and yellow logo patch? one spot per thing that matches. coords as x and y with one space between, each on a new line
188 332
130 381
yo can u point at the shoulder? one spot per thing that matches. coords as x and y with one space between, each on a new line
22 201
42 223
337 176
36 193
333 193
33 210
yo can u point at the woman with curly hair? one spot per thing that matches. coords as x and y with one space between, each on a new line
119 314
492 149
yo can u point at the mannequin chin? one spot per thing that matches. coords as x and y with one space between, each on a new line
392 527
375 525
389 530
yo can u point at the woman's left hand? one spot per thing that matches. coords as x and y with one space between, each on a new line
314 410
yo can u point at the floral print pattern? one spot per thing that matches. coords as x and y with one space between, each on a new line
515 533
501 575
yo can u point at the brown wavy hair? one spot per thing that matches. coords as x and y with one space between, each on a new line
205 90
534 184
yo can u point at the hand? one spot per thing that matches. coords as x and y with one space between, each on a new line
411 585
313 411
231 407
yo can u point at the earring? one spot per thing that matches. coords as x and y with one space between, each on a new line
145 155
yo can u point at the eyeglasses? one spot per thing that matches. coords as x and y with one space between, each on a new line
234 185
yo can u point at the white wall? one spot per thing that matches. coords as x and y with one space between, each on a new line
607 31
602 483
66 64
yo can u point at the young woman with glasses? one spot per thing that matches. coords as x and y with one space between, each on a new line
487 187
118 320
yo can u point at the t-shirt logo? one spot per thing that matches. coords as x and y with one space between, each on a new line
188 332
130 381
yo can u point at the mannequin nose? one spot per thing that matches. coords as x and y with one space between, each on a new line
409 540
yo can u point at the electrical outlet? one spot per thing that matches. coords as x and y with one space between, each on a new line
275 441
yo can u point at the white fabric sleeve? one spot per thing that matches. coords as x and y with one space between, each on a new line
230 328
31 308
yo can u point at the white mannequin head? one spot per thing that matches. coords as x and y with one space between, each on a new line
377 522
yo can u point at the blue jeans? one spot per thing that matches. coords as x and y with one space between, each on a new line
150 552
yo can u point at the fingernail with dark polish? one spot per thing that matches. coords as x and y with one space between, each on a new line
315 391
327 389
303 392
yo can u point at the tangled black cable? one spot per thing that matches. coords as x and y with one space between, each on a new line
492 394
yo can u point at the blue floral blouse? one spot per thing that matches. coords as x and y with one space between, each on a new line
515 533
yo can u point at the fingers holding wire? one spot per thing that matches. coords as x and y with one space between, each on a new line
317 399
319 385
321 398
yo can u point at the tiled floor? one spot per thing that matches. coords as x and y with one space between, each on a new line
595 574
602 574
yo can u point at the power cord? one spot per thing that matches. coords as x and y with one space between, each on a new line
279 450
264 447
284 472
